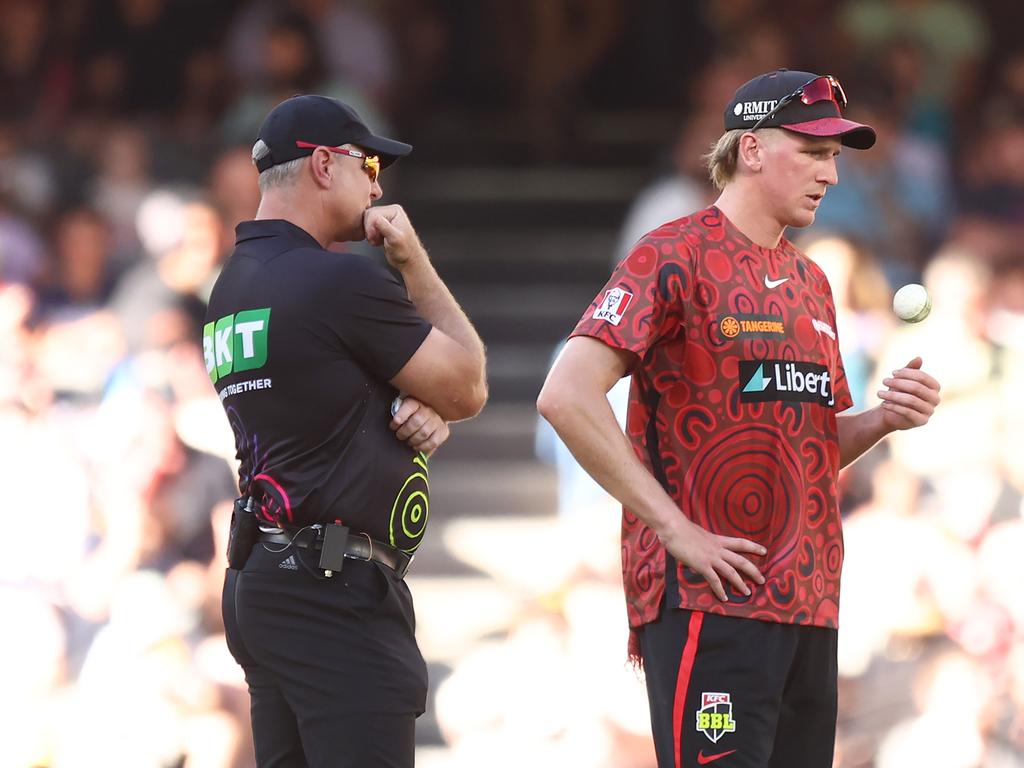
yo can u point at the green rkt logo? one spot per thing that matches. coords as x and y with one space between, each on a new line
236 343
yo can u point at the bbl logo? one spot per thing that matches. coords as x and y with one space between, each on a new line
714 718
236 342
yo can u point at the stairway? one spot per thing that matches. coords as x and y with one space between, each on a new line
524 249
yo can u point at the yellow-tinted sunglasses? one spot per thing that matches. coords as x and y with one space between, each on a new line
371 163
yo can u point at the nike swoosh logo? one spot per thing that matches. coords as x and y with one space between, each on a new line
705 759
774 283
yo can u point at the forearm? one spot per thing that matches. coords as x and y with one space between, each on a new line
858 432
586 424
436 304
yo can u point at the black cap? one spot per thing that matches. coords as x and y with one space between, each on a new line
320 121
756 98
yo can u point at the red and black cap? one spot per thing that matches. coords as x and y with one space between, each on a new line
320 121
802 102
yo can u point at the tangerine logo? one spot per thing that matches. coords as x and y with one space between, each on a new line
751 326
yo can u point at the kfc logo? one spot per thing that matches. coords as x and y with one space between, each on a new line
613 305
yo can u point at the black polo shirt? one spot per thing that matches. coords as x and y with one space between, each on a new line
300 343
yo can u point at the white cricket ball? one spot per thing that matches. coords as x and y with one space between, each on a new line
912 303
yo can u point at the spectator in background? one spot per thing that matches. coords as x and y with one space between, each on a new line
923 113
22 251
752 37
951 35
134 44
877 531
162 299
32 685
862 297
948 732
1006 321
81 277
895 199
233 189
423 41
293 59
121 183
686 188
992 189
953 339
26 175
357 46
205 94
32 80
545 50
17 390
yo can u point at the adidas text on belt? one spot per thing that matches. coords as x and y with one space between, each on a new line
358 547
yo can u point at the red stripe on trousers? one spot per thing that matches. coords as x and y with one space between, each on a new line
683 681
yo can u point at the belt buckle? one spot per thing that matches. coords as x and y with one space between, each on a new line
403 568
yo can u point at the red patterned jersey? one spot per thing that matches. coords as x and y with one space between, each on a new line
736 387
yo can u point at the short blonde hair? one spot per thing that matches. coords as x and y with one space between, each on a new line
722 158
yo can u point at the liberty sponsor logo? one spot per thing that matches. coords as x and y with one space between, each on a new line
823 328
759 326
767 380
754 110
613 305
714 718
236 343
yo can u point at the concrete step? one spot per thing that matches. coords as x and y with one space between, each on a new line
500 136
519 252
504 432
500 488
514 490
484 198
516 371
514 314
511 186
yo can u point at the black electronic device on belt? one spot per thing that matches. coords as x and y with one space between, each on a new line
332 549
243 532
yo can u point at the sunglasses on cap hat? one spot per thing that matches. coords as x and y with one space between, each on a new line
371 163
818 89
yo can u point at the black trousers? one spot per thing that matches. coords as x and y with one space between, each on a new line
334 673
740 693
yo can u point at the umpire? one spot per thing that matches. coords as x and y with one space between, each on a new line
337 379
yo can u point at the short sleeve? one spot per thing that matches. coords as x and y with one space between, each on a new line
369 311
646 298
843 398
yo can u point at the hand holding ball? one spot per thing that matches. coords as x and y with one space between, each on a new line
912 303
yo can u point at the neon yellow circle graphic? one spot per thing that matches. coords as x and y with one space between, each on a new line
412 506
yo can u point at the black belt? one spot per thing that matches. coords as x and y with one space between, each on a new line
358 547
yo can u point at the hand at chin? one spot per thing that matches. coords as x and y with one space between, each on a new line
356 233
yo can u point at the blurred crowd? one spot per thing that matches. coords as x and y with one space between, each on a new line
125 131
